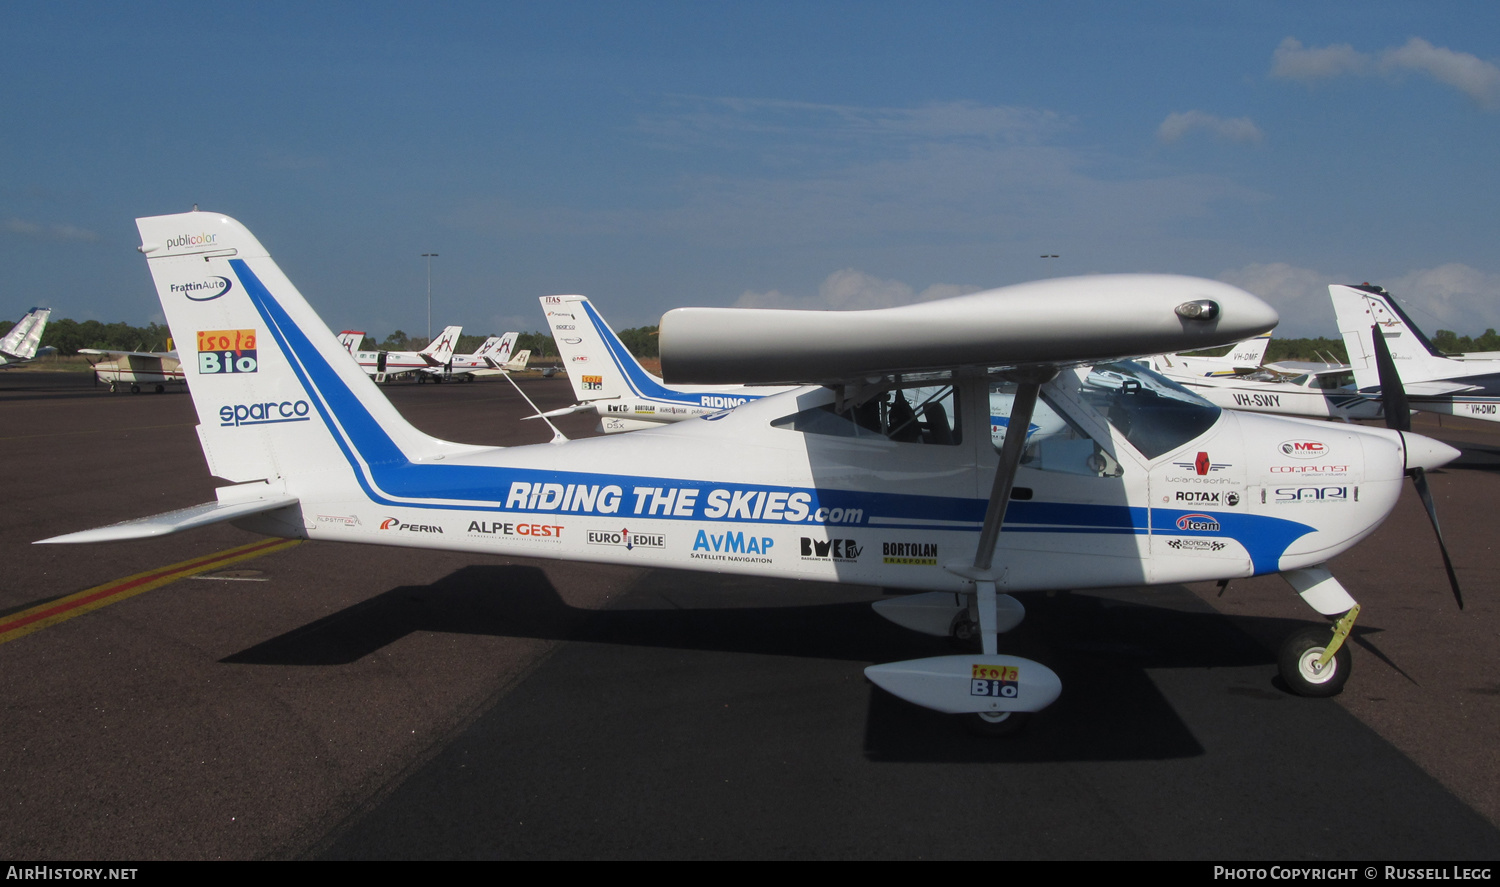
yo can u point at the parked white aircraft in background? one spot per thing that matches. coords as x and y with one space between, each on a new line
1143 484
1244 357
158 368
22 342
492 357
609 380
1323 394
385 365
1433 382
1237 381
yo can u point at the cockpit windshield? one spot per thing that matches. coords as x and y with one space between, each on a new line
1154 414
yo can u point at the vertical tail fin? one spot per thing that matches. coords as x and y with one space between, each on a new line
1249 353
440 350
276 394
598 363
23 339
351 340
1359 308
497 349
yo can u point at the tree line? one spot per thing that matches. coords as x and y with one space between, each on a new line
67 336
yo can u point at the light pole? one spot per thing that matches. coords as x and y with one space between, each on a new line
429 257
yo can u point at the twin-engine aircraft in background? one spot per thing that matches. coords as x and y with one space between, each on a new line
22 342
495 356
609 380
1433 381
881 471
384 365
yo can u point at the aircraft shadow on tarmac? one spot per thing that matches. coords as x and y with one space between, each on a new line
1103 648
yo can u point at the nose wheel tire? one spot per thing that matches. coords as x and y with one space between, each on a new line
996 723
1299 667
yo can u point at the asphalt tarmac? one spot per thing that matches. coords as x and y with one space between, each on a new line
327 701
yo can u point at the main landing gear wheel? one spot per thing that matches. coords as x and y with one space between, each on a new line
996 723
1298 663
964 630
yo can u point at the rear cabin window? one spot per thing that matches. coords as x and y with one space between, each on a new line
916 414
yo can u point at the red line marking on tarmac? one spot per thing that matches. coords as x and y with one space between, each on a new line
38 617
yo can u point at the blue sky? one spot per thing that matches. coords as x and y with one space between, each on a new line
653 155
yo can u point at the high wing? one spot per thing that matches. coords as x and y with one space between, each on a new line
1433 381
1107 317
22 341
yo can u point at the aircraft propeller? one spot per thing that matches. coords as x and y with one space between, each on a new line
1398 418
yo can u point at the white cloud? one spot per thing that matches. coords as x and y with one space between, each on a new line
49 232
1299 295
1469 74
850 290
1453 296
1474 77
1229 129
1293 61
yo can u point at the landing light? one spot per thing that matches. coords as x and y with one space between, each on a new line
1202 309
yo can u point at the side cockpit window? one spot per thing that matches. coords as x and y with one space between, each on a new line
1053 441
1154 414
916 413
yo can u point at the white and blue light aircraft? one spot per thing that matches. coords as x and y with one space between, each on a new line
609 380
872 473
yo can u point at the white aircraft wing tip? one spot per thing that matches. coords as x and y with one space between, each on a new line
172 521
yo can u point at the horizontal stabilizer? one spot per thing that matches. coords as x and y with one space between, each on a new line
565 411
1066 320
175 521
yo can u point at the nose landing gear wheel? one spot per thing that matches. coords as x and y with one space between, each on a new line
1298 663
996 723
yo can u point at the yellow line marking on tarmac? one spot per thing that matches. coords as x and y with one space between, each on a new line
18 625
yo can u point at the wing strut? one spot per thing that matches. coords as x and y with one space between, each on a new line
1029 385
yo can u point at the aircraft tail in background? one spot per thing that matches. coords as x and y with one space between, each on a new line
1359 308
1242 357
440 350
497 350
351 340
20 344
598 363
